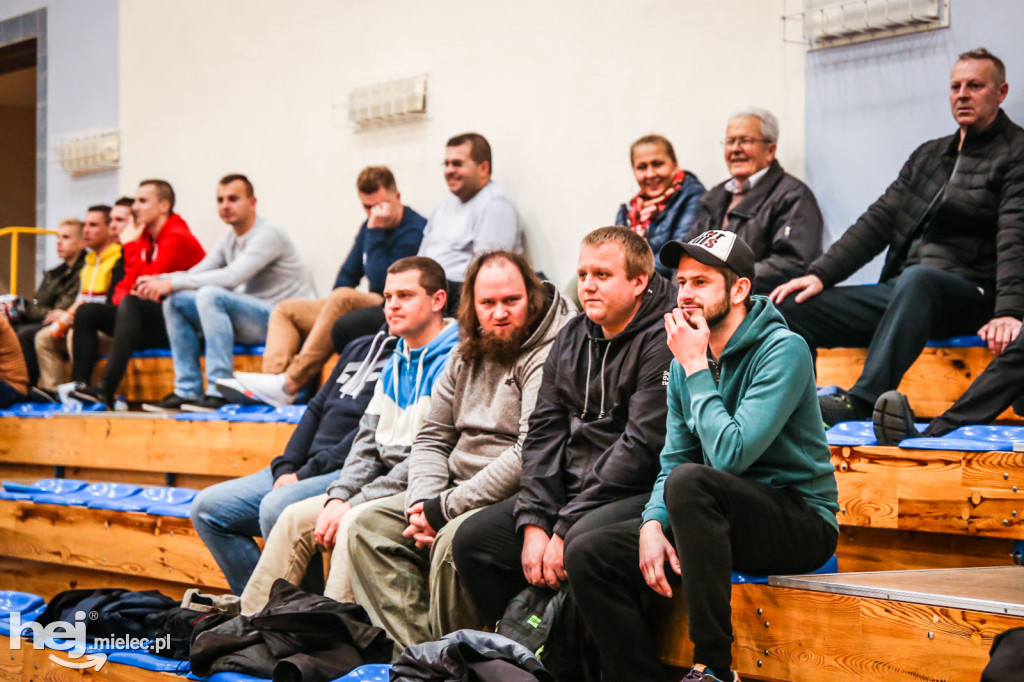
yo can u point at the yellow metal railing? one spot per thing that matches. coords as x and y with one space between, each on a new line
14 232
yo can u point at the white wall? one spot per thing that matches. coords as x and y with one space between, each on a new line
559 88
81 94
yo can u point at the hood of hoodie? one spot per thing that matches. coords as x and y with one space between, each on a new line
559 311
762 319
412 372
351 385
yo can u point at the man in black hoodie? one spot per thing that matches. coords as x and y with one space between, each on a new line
595 433
953 223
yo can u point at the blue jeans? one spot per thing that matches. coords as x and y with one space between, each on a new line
9 396
228 515
218 317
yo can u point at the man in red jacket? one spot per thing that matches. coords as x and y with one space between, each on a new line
160 242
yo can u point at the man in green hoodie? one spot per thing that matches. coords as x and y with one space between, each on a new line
745 484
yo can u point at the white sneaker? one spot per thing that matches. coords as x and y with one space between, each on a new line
267 388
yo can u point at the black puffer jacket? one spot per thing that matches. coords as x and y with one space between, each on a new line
779 219
597 429
975 227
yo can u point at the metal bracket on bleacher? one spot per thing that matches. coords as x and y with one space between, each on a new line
1018 552
58 471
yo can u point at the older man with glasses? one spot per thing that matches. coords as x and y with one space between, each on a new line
776 214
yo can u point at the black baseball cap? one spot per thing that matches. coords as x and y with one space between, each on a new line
715 247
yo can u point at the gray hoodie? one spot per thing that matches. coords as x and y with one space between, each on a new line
468 451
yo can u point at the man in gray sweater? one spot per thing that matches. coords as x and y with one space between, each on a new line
466 455
226 298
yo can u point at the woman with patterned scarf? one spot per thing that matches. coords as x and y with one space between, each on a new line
667 204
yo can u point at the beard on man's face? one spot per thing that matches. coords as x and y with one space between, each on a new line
501 348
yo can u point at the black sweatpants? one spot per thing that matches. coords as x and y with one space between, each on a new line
134 324
894 320
488 553
27 338
720 523
993 391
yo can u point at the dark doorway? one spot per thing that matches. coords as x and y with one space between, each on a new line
18 97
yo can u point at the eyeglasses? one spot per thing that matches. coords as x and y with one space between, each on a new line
457 163
742 141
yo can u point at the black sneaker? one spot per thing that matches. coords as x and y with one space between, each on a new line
89 395
208 403
839 408
893 419
42 395
172 402
701 673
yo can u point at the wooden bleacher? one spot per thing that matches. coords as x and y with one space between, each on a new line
152 378
933 383
46 548
900 510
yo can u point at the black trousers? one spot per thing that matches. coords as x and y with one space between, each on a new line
134 323
488 554
993 391
27 338
894 320
720 523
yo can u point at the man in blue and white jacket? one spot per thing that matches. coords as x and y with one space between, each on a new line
377 463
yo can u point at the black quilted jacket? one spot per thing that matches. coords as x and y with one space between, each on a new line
975 227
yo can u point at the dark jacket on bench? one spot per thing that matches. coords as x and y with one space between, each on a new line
778 218
324 436
297 636
962 212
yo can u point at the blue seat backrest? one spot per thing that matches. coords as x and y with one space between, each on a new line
830 566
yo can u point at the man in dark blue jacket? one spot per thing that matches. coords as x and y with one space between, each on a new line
391 231
229 514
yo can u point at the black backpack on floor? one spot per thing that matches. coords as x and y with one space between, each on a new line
548 623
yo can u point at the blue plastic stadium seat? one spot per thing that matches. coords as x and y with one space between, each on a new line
45 486
235 677
831 566
288 414
852 433
92 492
149 497
42 410
29 605
166 353
147 661
958 342
181 511
223 414
972 439
374 672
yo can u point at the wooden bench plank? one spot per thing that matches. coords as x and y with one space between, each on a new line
929 490
150 379
803 636
132 444
47 579
29 663
130 543
932 384
882 549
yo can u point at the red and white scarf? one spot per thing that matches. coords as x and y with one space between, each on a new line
643 210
